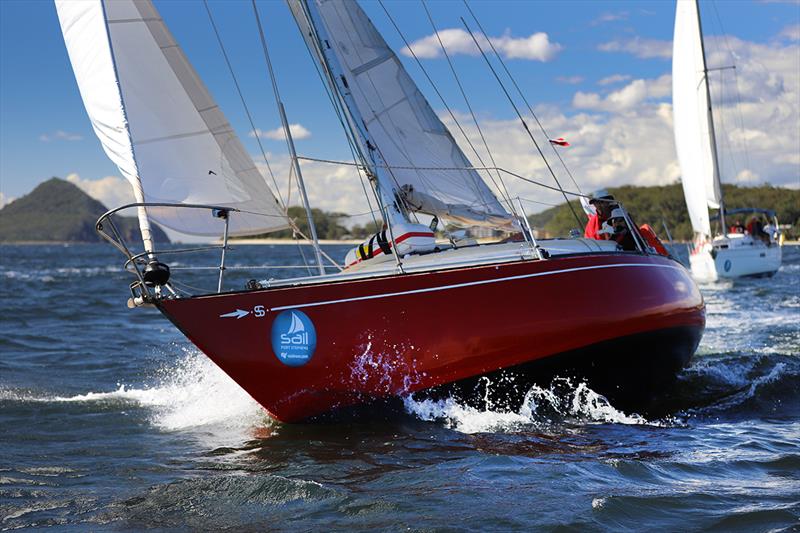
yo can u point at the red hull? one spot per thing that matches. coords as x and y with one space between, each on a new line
381 337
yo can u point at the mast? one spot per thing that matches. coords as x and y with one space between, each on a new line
711 130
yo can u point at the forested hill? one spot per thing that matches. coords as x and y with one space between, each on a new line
651 205
57 210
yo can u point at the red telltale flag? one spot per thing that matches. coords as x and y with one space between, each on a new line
561 141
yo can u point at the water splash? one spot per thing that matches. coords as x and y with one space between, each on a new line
384 367
190 394
561 402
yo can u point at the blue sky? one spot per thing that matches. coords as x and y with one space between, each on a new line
44 130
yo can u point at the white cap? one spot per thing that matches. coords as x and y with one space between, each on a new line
617 213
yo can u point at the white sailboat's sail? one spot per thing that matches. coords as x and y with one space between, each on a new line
157 121
402 125
692 118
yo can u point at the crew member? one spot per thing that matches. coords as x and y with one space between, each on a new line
620 231
603 204
738 227
755 227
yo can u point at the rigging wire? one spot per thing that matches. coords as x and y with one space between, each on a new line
438 93
522 95
522 119
244 104
469 106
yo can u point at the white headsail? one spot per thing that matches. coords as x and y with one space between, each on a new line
408 136
157 121
693 121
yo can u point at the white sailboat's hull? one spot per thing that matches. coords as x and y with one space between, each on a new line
735 257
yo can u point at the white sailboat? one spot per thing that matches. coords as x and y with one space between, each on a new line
729 254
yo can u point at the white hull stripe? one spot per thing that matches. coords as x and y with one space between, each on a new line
470 284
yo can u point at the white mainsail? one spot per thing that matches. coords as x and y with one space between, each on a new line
157 121
408 136
692 118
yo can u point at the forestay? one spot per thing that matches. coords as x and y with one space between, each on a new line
402 126
157 121
692 118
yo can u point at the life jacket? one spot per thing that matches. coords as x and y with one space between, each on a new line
592 230
650 236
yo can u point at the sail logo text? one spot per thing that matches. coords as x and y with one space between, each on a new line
294 337
297 338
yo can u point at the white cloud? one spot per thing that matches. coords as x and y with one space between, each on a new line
606 150
5 200
60 135
111 191
614 78
790 33
747 177
536 46
298 132
626 98
610 17
570 80
643 48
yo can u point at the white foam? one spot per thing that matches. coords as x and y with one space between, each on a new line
191 395
464 418
562 401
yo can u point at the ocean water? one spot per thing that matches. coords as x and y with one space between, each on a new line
111 420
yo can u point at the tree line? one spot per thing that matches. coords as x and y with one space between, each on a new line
665 205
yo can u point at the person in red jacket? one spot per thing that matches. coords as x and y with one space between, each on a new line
603 203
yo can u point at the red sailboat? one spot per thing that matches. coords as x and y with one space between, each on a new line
407 312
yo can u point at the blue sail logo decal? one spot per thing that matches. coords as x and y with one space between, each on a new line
294 337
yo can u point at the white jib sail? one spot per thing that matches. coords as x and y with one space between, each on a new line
158 123
692 120
400 121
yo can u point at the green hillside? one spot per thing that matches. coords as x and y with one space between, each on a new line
57 210
651 205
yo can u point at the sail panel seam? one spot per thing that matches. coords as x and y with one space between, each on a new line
369 65
176 136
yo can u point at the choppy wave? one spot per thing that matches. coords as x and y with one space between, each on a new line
741 384
50 274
